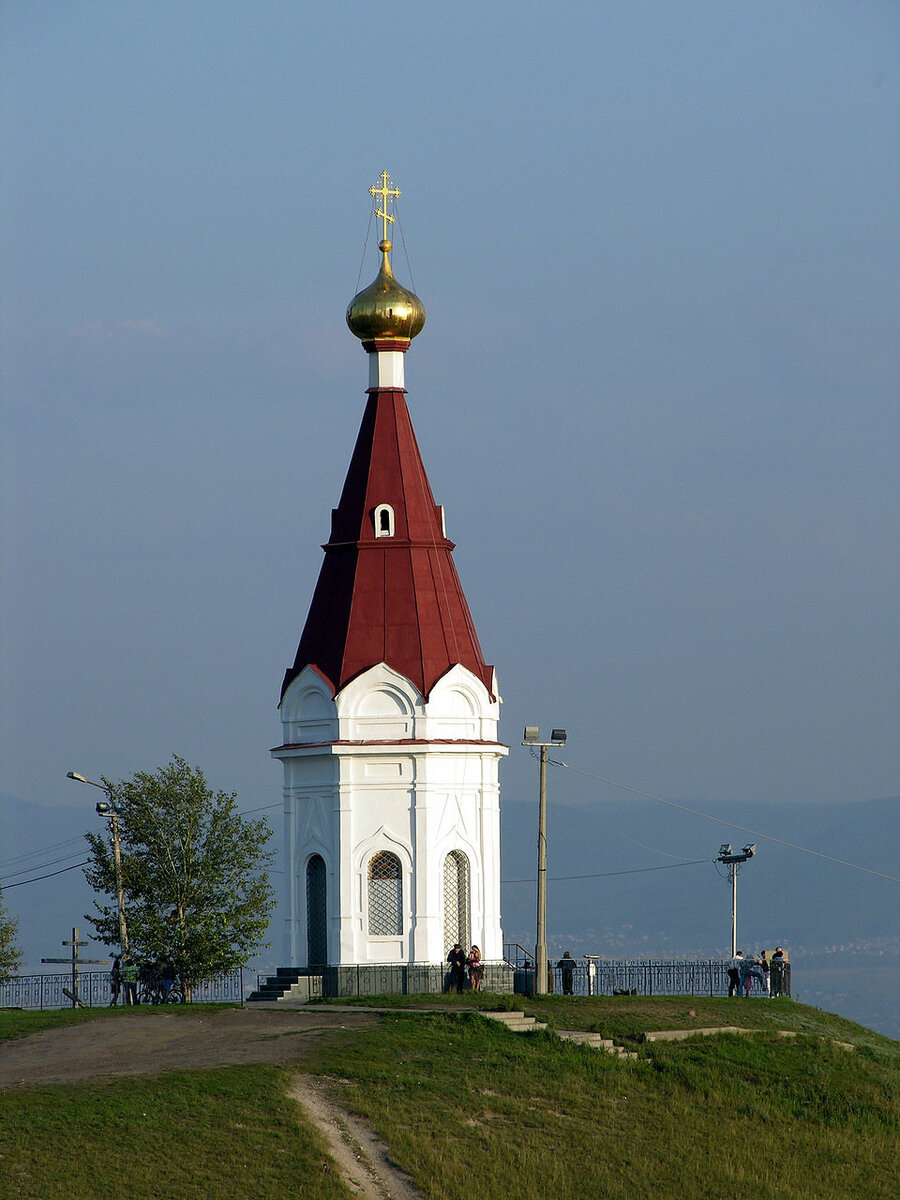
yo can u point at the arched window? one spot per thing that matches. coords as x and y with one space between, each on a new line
385 895
457 919
316 921
384 521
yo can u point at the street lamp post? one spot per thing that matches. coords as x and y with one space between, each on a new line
531 737
109 810
734 863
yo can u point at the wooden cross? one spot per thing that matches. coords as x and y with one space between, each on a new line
387 191
76 962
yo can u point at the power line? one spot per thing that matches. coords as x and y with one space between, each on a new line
41 866
77 841
721 821
73 841
605 874
37 878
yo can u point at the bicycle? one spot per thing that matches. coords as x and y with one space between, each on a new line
156 985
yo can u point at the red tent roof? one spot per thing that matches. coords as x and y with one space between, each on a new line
393 599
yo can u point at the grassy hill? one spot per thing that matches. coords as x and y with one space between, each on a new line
468 1108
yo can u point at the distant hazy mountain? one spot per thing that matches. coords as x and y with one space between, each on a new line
839 925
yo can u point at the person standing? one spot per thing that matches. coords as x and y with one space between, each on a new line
129 981
457 960
776 975
476 969
734 974
115 980
764 965
746 979
566 966
166 977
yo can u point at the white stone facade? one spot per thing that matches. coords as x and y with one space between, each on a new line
392 818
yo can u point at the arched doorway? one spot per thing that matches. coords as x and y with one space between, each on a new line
316 919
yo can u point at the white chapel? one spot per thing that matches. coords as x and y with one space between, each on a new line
389 712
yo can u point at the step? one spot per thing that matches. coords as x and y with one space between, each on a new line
680 1035
516 1021
587 1039
597 1041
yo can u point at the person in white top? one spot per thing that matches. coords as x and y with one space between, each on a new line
734 974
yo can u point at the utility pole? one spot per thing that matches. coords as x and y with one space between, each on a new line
734 862
531 737
77 1002
111 811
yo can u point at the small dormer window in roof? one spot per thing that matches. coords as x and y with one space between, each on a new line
384 521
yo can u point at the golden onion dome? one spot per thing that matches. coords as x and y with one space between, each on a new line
385 309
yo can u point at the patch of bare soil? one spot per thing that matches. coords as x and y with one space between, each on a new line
362 1159
150 1043
153 1042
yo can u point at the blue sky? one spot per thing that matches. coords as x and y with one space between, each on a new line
657 389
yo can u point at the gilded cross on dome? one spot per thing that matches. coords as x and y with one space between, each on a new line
387 191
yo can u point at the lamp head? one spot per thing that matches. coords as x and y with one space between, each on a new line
532 733
558 737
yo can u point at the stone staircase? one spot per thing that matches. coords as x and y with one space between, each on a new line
277 985
516 1021
519 1023
597 1041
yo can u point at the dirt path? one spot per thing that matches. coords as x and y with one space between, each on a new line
151 1043
362 1158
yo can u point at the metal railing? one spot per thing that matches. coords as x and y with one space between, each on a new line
590 976
94 990
595 976
380 979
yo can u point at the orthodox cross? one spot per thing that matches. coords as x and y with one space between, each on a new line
387 191
76 962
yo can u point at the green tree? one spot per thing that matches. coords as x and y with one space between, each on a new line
10 954
193 873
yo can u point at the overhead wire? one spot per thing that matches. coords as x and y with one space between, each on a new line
621 833
605 874
722 821
362 261
403 243
38 878
41 866
73 866
16 858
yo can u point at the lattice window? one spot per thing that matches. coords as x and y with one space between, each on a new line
457 922
316 919
385 895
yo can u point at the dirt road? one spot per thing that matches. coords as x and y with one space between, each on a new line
153 1042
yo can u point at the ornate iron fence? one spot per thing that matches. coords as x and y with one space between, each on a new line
55 991
594 976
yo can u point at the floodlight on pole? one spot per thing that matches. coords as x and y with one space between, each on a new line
108 809
532 737
734 862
